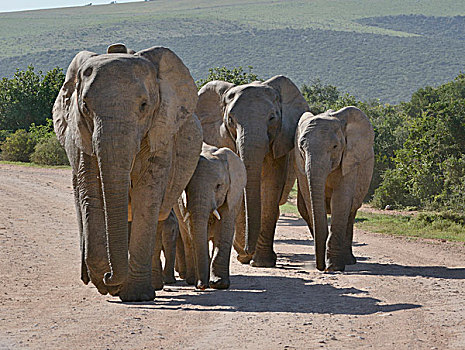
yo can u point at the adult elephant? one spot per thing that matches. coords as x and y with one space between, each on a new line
334 165
258 122
126 122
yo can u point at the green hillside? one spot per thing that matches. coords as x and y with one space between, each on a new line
370 48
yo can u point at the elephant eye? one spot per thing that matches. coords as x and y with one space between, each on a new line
143 106
335 146
87 72
218 186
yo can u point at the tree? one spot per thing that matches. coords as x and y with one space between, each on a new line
28 98
320 97
235 75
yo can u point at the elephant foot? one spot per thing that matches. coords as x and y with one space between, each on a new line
244 258
158 285
201 286
350 259
264 259
133 292
332 266
169 279
190 280
219 283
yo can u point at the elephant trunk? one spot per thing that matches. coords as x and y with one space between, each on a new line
115 164
252 154
199 235
317 182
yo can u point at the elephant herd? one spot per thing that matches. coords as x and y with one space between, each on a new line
152 156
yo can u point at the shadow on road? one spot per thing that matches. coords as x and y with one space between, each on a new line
291 221
275 294
378 269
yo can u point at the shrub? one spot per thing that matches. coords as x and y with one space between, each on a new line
393 191
28 97
49 152
235 75
18 146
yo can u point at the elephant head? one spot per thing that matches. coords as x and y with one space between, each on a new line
253 120
211 202
108 108
332 144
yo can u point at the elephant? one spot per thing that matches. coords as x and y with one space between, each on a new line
166 238
334 164
208 210
127 123
258 122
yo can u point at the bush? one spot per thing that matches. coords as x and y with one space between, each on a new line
49 152
18 146
393 191
236 76
3 135
320 97
28 97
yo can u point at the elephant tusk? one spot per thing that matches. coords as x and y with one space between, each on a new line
217 215
187 216
184 198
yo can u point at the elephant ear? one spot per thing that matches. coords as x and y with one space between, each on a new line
177 96
65 112
293 105
359 138
237 176
210 113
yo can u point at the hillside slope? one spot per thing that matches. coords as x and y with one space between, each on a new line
372 49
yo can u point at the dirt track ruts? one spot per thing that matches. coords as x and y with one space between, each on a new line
402 294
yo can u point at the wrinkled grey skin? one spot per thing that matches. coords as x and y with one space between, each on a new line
167 235
334 165
217 185
127 124
258 122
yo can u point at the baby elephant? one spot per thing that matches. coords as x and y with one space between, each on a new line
208 210
167 234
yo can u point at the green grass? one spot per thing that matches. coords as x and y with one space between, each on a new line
33 165
445 226
339 41
288 208
434 226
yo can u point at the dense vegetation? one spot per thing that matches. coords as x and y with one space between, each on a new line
372 49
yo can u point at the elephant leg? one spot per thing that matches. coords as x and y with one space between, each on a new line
273 181
341 203
157 277
239 237
223 233
169 249
186 264
302 208
180 261
147 191
349 256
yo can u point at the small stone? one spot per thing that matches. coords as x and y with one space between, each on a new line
387 207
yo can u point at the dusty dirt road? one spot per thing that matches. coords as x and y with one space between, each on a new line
403 294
